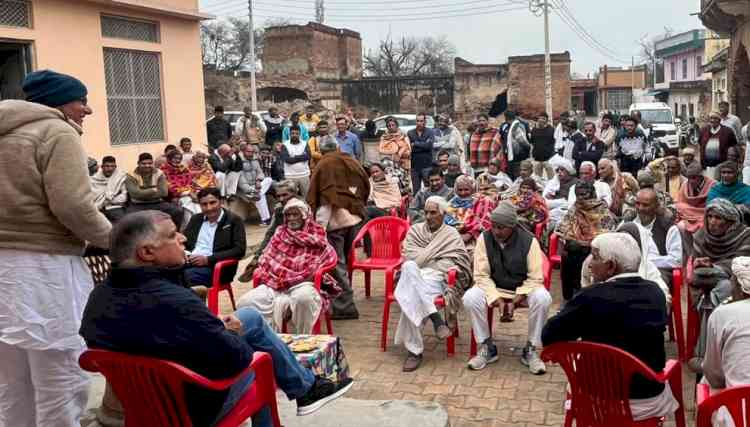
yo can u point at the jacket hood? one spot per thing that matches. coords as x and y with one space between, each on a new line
15 113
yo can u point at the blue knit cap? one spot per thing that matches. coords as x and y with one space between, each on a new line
52 89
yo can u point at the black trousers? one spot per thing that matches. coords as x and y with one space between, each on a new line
570 269
631 166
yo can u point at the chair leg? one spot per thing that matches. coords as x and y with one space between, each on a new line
679 329
693 329
367 283
473 347
329 324
450 344
675 382
231 297
384 327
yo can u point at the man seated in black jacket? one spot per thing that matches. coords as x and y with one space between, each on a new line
622 310
213 235
144 309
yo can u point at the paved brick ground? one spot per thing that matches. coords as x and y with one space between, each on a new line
504 394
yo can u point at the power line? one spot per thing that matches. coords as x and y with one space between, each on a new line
427 15
587 38
571 15
361 9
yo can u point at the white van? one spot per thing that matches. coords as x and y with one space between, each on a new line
659 117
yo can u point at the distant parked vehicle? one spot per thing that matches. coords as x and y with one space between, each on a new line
406 122
233 116
658 119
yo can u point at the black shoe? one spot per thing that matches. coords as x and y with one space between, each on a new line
322 392
352 315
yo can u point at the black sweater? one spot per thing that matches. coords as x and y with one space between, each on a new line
147 311
629 313
229 241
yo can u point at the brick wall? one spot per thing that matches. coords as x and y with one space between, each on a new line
526 84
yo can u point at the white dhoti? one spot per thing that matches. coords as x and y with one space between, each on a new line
415 293
538 300
42 303
262 203
302 300
657 406
230 184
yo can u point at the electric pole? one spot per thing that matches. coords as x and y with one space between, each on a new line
541 7
253 89
547 64
320 11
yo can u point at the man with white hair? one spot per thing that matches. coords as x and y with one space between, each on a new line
622 310
431 249
728 335
507 273
587 173
295 253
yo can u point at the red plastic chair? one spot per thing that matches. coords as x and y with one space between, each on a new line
152 391
217 286
676 325
450 342
554 255
317 282
402 210
693 317
546 269
599 376
386 234
735 399
539 230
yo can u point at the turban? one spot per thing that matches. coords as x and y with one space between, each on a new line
439 201
299 204
504 215
693 169
724 209
567 165
465 180
741 271
53 89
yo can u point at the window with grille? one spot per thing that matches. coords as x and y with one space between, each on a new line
698 67
684 69
131 29
618 99
133 96
15 13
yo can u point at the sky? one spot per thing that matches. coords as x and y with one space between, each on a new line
488 31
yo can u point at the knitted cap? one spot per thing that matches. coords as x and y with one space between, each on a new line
504 214
53 89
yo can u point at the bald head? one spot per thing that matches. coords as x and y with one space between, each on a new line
647 205
224 150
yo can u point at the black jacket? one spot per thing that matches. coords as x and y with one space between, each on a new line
229 240
147 311
218 132
543 141
629 313
593 154
218 164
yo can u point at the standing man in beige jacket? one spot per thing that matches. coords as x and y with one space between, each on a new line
47 217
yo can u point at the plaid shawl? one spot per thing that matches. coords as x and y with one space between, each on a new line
178 178
202 176
585 220
293 256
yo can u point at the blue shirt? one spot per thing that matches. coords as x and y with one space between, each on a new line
304 135
349 144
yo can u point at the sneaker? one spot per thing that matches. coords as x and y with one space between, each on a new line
531 359
487 354
322 392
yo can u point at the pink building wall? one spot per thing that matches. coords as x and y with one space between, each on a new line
694 61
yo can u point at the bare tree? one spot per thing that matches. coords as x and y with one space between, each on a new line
648 50
225 43
410 56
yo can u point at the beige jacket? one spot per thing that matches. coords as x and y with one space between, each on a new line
483 278
47 202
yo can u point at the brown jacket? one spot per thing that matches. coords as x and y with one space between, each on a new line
339 181
47 201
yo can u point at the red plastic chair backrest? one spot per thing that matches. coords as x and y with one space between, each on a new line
386 234
599 376
735 399
152 391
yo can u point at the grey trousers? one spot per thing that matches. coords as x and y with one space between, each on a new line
342 240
